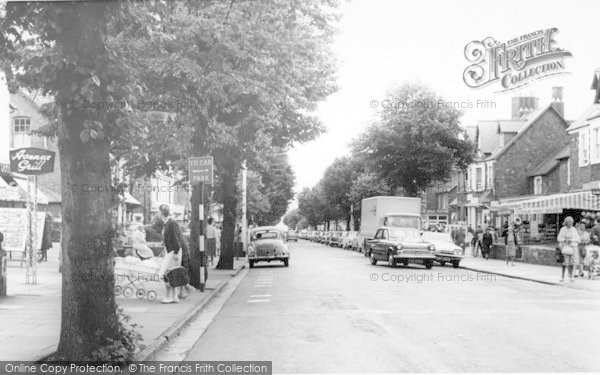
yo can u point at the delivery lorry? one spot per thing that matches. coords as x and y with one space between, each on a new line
383 211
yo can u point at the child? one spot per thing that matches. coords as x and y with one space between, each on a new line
593 262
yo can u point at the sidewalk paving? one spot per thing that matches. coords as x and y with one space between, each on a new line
30 315
525 271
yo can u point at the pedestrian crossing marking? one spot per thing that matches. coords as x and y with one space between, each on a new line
260 295
259 300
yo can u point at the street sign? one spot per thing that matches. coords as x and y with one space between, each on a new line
201 169
31 161
596 191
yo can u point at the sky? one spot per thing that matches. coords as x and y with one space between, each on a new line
382 43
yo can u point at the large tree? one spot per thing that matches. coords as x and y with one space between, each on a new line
416 141
61 49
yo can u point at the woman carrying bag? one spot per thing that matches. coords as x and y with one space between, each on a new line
568 241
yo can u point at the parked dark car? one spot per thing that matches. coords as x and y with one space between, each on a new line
400 245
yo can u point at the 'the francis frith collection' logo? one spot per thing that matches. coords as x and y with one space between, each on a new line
516 62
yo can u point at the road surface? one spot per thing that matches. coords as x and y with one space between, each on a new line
332 312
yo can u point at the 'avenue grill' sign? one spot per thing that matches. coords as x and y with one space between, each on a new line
31 161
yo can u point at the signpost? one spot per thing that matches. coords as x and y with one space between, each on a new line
201 172
31 162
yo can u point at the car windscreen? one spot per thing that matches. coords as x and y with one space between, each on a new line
266 235
400 221
404 235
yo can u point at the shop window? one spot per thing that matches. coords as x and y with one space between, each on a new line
537 185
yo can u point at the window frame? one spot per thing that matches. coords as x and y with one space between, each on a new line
538 185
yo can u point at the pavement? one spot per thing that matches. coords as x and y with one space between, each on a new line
30 315
531 272
331 311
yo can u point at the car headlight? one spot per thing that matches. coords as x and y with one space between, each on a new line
458 252
431 248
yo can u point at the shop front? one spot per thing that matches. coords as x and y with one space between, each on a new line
538 220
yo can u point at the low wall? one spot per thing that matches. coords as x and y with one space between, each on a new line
534 254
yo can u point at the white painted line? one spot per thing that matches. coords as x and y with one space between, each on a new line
258 300
10 307
259 295
263 286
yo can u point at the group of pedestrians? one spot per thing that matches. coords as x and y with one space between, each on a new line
481 240
177 256
573 248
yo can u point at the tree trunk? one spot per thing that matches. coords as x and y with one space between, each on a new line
229 174
88 301
89 316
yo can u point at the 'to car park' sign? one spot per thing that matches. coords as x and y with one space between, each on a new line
201 169
31 161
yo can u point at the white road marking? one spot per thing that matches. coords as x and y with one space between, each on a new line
10 307
259 295
259 300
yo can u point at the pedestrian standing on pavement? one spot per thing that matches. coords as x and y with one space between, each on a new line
211 239
172 239
568 240
459 238
511 243
47 235
486 243
584 241
595 233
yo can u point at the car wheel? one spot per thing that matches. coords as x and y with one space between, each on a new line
405 264
251 262
455 264
286 262
442 264
428 265
372 257
391 260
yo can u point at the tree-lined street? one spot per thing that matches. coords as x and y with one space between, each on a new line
324 314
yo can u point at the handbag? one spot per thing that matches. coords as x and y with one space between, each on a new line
177 276
567 250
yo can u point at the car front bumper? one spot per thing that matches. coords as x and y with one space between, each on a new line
267 258
448 258
415 256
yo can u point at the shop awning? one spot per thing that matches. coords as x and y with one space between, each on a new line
130 200
550 204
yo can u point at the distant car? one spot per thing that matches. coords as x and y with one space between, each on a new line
349 240
292 236
400 245
445 250
268 244
335 239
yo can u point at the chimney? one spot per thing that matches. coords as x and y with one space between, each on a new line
557 100
523 105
